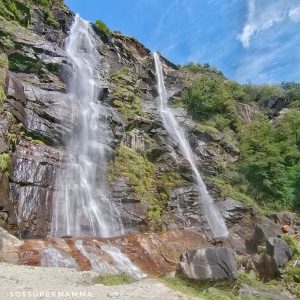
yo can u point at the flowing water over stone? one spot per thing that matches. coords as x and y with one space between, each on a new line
119 262
213 216
81 204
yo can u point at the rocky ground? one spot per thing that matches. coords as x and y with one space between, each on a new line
23 282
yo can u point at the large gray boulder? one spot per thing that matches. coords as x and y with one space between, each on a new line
209 264
265 230
280 251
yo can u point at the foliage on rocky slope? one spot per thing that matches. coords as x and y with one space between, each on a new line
264 120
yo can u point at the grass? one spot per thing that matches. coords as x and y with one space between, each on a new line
293 243
113 279
126 94
137 169
3 70
226 290
207 291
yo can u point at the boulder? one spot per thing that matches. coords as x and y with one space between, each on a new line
265 229
280 251
209 264
276 254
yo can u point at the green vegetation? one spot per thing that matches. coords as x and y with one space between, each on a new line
6 43
3 70
126 94
25 64
291 273
227 290
141 174
113 279
201 69
294 244
15 10
267 173
3 61
207 291
2 96
270 159
211 99
101 26
20 10
5 163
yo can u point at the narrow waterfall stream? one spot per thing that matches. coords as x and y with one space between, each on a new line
81 205
213 215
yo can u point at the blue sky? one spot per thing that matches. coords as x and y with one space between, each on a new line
249 40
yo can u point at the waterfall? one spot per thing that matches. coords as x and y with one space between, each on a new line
212 214
81 206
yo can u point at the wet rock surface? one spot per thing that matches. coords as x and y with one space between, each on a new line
232 210
31 188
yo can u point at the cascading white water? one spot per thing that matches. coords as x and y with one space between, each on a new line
213 215
81 205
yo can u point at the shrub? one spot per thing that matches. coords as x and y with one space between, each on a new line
24 64
201 69
2 96
101 26
5 163
6 43
209 96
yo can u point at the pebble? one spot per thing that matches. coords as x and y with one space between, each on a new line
114 295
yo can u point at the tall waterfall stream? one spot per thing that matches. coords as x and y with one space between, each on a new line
213 215
81 204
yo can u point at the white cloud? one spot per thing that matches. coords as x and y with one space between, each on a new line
294 14
261 16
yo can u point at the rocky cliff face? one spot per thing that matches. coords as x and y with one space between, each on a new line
38 109
150 182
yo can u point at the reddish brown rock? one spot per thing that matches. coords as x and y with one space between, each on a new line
154 254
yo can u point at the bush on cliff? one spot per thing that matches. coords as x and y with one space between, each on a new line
101 26
211 98
5 163
270 150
